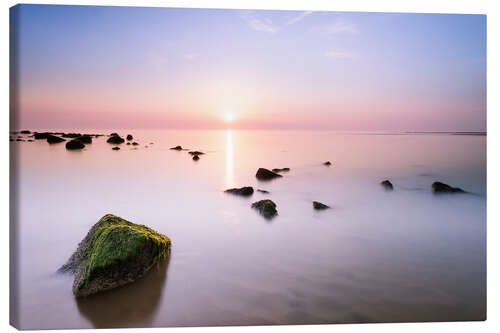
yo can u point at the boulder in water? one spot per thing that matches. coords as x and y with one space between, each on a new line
387 184
74 145
265 174
266 208
319 206
439 187
54 139
244 191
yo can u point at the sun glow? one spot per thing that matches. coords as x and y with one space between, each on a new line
229 117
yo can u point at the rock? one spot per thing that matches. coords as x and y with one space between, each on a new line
74 145
41 136
115 148
265 174
244 191
266 208
319 206
54 139
387 184
135 144
115 139
327 163
281 170
19 139
263 191
31 140
196 153
176 148
129 137
84 138
439 187
114 134
196 158
71 135
115 252
128 143
25 132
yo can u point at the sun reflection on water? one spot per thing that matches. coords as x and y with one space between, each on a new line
229 159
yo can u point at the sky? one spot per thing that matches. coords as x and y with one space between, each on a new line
131 67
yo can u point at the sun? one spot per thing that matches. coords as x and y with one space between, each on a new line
229 117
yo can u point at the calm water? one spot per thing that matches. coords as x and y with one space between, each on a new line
376 256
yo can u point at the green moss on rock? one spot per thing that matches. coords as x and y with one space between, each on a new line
115 252
266 208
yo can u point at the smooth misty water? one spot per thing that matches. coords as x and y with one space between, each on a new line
406 255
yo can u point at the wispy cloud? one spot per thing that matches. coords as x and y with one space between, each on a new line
264 25
341 54
298 18
339 26
191 56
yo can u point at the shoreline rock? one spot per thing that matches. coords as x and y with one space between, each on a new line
114 252
439 187
243 191
265 174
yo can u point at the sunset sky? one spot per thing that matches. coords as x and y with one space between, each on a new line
125 67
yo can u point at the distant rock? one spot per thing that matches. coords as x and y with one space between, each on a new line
114 134
319 206
25 132
115 139
387 184
74 145
115 148
135 144
54 139
176 148
266 208
244 191
265 174
30 140
281 170
196 153
87 139
71 135
263 191
196 158
128 143
130 137
327 163
41 135
439 187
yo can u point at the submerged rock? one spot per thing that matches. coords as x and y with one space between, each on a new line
196 158
115 252
135 144
439 187
387 184
319 206
266 208
54 139
196 153
263 191
176 148
244 191
115 148
25 132
129 137
265 174
74 145
281 170
128 143
115 139
327 163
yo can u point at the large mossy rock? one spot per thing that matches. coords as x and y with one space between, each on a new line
115 252
266 208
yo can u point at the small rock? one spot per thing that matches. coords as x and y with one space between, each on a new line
319 206
115 139
71 135
129 137
281 170
439 187
115 148
265 174
128 143
74 145
135 144
387 184
196 158
327 163
244 191
176 148
263 191
266 208
87 139
25 132
41 136
114 134
196 152
54 139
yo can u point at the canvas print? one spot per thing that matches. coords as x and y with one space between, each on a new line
212 167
